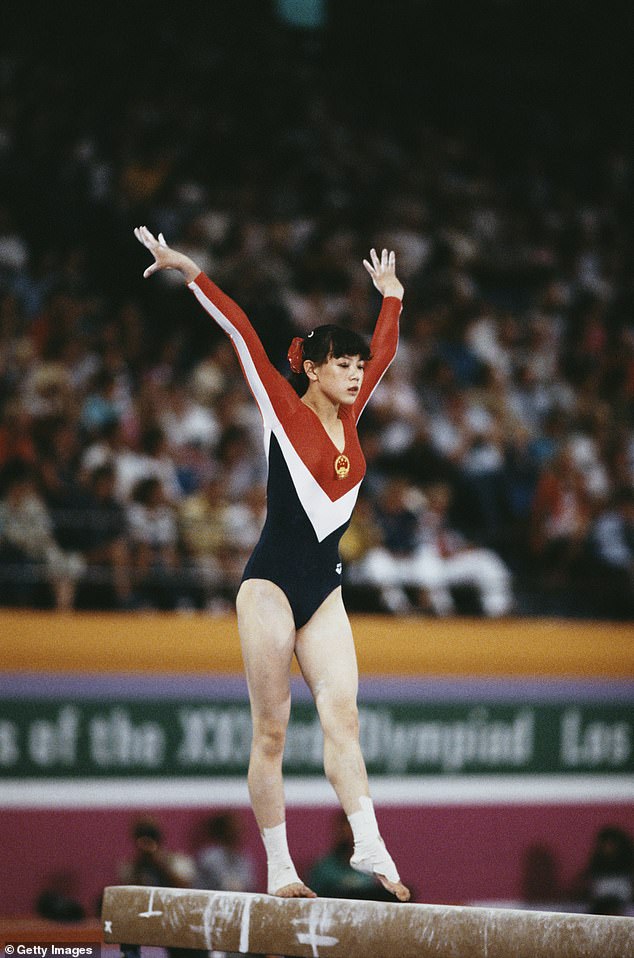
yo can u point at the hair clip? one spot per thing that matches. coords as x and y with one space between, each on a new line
296 354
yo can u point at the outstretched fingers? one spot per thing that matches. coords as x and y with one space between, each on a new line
164 256
383 269
387 262
147 239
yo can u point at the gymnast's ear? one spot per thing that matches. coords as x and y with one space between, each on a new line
310 370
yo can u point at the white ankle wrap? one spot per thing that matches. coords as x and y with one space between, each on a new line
376 861
370 854
280 868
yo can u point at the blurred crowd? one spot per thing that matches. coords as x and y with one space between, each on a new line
500 444
222 859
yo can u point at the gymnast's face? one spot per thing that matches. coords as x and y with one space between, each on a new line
339 378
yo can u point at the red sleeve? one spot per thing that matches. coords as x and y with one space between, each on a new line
383 346
270 389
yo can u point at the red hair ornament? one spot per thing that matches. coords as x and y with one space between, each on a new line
296 354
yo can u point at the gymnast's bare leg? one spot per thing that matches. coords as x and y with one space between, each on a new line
267 635
326 655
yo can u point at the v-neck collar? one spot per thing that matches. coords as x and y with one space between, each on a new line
341 419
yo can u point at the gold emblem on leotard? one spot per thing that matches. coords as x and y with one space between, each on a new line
342 466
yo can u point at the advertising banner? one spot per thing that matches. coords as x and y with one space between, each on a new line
65 738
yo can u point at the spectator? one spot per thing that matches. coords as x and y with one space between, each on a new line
107 550
221 863
389 565
26 529
243 522
100 406
560 519
16 439
201 519
421 553
461 563
153 459
241 469
152 864
67 502
612 554
606 884
153 531
58 899
185 421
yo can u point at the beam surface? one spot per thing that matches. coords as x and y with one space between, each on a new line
337 928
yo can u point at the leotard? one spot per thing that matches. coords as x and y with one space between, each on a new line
308 505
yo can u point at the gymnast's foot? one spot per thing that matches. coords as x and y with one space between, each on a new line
296 889
395 887
284 882
373 858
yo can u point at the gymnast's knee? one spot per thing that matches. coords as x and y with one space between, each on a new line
269 738
339 718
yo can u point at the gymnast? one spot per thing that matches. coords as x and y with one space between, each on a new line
289 602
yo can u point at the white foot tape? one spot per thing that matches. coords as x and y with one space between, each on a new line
281 871
375 860
280 876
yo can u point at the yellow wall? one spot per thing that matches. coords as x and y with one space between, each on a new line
87 642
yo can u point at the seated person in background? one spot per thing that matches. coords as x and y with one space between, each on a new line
152 864
153 533
218 535
107 550
606 884
420 552
221 864
392 541
26 529
332 876
455 562
611 546
201 527
560 516
58 900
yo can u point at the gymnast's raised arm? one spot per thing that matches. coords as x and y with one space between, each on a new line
267 384
385 337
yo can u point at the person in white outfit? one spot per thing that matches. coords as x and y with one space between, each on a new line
428 556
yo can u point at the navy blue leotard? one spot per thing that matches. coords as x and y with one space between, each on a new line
308 504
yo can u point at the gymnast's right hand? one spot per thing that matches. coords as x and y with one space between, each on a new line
164 256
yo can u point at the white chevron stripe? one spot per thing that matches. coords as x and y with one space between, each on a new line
253 378
324 514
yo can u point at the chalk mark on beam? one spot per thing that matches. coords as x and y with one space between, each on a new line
244 927
150 913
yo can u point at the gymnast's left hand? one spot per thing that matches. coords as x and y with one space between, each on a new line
383 273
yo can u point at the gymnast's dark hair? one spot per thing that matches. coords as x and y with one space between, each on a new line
318 346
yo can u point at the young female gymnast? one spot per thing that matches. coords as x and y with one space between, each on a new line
289 602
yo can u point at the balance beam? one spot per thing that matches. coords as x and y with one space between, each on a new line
337 928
